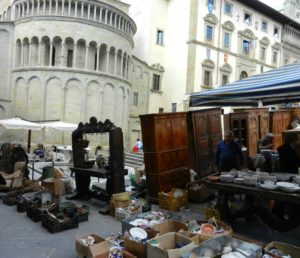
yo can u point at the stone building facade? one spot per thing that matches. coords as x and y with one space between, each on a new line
66 60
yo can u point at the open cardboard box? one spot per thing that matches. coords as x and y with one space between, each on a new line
126 254
99 247
169 226
168 246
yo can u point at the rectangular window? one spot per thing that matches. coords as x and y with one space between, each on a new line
263 54
156 82
224 79
228 8
70 58
207 78
264 26
160 37
247 18
160 110
246 47
209 33
226 40
276 33
174 107
274 58
135 98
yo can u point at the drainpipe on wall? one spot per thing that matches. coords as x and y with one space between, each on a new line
219 39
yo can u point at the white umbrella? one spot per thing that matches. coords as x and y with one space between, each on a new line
60 126
18 123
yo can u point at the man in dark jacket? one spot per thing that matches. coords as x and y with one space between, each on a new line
229 153
288 158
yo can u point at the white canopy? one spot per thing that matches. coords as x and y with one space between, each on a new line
60 126
18 123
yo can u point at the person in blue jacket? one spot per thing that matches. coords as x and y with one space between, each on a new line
229 153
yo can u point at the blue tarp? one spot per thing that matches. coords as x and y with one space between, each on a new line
280 85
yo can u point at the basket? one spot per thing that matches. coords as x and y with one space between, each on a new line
10 200
54 225
169 202
211 212
198 192
131 210
121 197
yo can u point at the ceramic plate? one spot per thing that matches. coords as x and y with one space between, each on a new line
139 222
138 233
288 187
268 186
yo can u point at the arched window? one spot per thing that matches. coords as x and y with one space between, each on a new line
243 75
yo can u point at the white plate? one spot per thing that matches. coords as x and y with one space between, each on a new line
140 222
288 187
268 187
138 233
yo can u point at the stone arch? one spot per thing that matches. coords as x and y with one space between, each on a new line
265 41
108 104
102 57
243 75
119 100
227 68
92 56
34 51
73 100
56 51
53 98
69 52
211 18
25 51
20 97
209 63
111 67
93 99
228 25
80 54
247 33
45 50
35 99
276 46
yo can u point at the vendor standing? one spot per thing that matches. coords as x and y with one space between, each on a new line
265 143
288 154
229 153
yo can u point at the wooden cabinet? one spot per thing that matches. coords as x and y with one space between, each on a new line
248 126
279 122
205 132
165 145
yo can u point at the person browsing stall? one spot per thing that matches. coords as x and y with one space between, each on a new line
265 143
229 153
288 157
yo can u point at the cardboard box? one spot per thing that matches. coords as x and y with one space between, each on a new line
139 249
114 205
168 246
57 186
100 246
193 236
169 226
126 254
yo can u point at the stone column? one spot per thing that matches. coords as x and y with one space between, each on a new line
98 58
89 11
95 12
107 61
62 54
22 54
100 15
119 26
74 55
19 11
38 7
75 13
62 7
82 9
125 68
27 11
50 6
40 50
44 7
50 53
122 61
105 20
116 59
110 20
69 9
32 13
56 7
86 56
30 51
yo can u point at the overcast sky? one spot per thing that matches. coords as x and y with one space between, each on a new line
276 4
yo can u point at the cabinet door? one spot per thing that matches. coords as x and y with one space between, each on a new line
277 128
215 135
253 134
263 124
